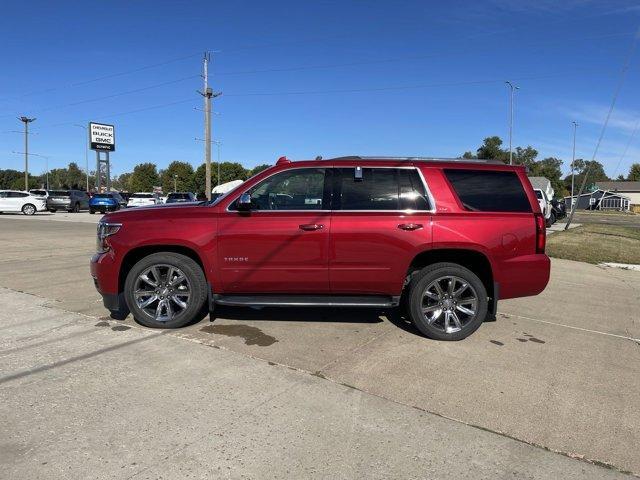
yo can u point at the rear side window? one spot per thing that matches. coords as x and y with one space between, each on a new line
489 191
380 189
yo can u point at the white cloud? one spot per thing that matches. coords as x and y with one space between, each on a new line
624 120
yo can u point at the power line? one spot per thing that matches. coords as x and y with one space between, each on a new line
104 77
118 94
623 75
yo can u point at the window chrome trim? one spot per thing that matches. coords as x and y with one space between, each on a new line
430 197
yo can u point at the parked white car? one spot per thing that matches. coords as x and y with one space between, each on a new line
39 193
143 199
224 188
545 207
17 201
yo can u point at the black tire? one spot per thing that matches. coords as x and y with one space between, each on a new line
551 220
192 272
92 211
423 279
52 210
76 208
29 209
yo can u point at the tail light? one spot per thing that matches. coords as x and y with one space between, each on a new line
541 233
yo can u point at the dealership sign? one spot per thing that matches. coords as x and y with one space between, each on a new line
102 137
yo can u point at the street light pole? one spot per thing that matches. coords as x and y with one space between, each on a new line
512 88
175 183
218 143
573 158
26 121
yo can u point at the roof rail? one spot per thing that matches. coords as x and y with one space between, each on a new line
420 159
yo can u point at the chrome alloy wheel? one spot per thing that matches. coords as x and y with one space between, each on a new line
28 209
162 292
449 303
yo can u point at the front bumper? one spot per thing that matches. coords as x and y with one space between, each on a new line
104 271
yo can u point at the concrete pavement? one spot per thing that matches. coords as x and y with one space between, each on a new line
82 398
559 370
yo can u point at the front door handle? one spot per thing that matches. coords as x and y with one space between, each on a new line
307 227
410 226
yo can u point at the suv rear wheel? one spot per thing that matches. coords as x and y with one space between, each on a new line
165 290
447 301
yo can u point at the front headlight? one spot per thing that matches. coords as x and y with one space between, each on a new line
105 230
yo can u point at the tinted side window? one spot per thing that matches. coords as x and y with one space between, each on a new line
489 191
17 195
298 189
380 189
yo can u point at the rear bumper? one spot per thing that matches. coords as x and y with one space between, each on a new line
106 208
524 276
58 205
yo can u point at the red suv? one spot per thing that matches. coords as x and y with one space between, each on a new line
444 238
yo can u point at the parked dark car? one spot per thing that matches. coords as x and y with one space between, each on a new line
106 202
181 197
69 200
449 237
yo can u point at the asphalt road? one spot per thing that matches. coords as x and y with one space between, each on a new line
313 392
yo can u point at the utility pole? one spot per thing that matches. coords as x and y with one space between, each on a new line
208 94
573 158
26 121
512 88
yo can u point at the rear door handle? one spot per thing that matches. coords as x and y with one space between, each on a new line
410 226
307 227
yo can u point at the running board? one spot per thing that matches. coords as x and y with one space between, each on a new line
376 301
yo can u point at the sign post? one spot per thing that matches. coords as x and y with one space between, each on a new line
102 138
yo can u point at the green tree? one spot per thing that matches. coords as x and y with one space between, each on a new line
258 168
523 156
596 174
634 173
9 177
228 171
491 150
469 155
75 177
143 178
121 182
550 168
184 180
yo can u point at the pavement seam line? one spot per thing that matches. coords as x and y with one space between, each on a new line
575 328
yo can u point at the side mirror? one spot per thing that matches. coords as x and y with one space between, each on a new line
244 202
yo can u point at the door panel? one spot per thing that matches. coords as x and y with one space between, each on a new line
370 254
381 220
265 252
282 244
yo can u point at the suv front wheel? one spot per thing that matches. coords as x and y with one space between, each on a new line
165 290
447 301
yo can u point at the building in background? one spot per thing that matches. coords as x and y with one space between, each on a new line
630 190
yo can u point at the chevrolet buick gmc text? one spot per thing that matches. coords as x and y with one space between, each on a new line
443 238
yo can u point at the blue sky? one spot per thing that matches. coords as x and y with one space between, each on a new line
317 78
